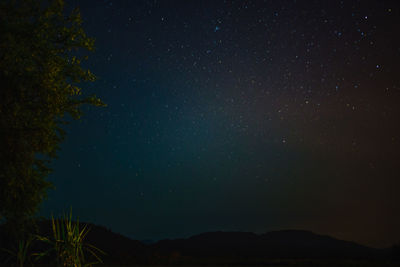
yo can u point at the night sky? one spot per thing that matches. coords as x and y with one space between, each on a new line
238 116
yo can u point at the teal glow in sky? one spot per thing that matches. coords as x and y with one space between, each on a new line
239 116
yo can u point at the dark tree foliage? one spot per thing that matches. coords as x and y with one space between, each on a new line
39 75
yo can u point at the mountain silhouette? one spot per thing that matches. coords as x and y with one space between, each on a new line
225 247
242 246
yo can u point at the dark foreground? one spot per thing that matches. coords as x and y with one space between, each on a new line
279 248
282 263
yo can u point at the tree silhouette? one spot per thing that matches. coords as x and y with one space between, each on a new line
40 69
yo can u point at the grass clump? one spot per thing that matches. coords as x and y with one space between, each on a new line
21 254
68 243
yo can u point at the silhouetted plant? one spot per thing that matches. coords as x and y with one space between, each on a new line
68 244
21 253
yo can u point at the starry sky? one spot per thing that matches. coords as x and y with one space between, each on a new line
238 116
